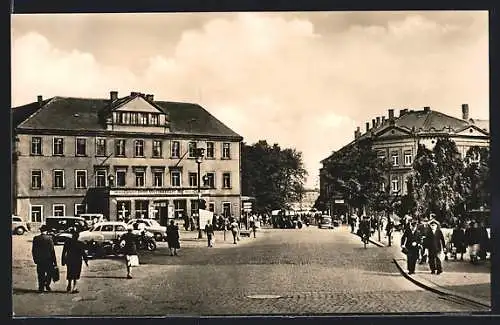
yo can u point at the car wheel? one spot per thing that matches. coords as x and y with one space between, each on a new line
19 231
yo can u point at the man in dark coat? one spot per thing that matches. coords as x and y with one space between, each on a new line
129 249
44 257
434 243
458 240
209 230
409 242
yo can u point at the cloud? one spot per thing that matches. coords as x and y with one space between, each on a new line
286 78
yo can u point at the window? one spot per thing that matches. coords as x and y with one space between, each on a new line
100 178
120 148
141 208
194 207
36 213
121 177
226 150
81 147
107 228
176 149
395 185
143 118
408 158
79 209
100 147
120 228
157 146
226 180
395 158
36 146
58 147
158 178
226 209
192 149
133 118
211 207
381 155
210 180
59 210
193 179
140 178
58 179
155 120
210 150
175 178
139 148
80 179
36 179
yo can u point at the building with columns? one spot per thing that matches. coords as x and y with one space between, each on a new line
127 156
397 138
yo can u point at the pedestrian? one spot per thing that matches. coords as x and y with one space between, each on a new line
72 255
409 244
484 241
389 227
253 225
234 230
434 243
424 230
44 257
130 250
458 241
209 230
173 238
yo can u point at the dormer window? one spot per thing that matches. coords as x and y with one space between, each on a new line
137 118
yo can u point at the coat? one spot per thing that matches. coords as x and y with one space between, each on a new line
458 239
43 250
72 255
410 240
173 236
434 241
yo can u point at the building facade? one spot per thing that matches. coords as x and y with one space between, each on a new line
397 138
123 157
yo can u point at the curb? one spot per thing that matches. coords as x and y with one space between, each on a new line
441 291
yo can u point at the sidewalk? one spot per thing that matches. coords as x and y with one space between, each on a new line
459 278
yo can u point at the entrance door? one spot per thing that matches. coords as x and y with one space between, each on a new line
162 207
226 209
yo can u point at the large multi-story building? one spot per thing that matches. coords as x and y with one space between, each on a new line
123 157
397 138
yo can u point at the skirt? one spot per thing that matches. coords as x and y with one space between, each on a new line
73 271
174 244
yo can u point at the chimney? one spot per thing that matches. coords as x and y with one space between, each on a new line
378 121
40 99
383 119
391 114
367 126
465 111
427 109
150 97
134 93
357 133
113 95
373 123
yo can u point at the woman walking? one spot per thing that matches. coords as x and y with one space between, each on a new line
173 238
72 255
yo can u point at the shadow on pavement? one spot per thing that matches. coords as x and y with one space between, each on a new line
103 277
25 290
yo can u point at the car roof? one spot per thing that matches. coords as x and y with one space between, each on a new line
63 217
110 223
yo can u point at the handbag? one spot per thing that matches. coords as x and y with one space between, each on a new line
54 274
404 250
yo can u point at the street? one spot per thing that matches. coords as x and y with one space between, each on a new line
306 271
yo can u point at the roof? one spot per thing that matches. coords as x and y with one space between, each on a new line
69 113
482 124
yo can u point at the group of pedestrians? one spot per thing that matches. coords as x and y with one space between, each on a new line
425 242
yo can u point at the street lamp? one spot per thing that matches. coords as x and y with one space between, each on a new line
200 153
111 180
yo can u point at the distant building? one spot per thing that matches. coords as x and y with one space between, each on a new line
397 138
123 157
308 199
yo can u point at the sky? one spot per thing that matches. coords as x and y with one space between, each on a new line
304 80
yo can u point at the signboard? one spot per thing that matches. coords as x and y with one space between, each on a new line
152 212
339 201
247 206
205 215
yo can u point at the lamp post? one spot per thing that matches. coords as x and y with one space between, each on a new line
200 152
111 180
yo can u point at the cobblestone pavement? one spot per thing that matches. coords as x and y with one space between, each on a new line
310 271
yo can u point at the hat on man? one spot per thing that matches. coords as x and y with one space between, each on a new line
44 228
434 221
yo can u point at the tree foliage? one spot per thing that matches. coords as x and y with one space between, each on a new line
477 177
274 176
356 173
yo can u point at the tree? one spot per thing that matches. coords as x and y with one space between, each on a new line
437 182
357 173
274 176
477 175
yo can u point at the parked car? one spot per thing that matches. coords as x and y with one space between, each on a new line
19 227
93 218
104 231
326 222
59 227
150 225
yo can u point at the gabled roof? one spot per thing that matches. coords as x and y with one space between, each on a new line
482 124
69 113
